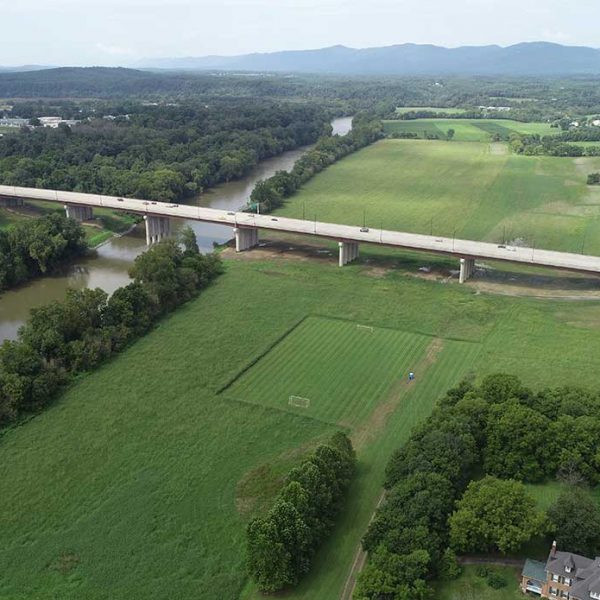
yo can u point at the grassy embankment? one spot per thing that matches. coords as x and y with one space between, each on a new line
106 222
139 481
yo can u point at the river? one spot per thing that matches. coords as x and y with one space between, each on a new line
108 268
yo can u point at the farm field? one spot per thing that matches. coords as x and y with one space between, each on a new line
139 481
468 130
471 190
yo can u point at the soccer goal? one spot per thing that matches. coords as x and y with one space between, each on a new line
299 401
367 328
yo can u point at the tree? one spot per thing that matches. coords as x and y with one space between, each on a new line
449 567
390 576
494 514
575 522
518 443
277 546
450 134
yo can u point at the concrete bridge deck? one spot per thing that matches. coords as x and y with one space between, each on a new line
465 249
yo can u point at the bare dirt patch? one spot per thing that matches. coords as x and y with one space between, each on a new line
376 422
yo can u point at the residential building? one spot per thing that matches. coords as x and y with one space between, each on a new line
564 575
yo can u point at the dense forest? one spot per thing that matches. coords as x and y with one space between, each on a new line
533 98
457 486
164 152
62 339
37 247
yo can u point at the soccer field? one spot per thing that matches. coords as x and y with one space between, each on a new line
335 371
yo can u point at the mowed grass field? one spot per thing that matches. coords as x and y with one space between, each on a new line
468 130
138 483
474 190
332 370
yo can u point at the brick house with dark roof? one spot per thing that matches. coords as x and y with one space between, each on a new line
565 575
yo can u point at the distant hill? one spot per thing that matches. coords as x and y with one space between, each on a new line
22 68
532 58
85 81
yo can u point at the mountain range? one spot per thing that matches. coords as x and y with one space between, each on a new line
530 58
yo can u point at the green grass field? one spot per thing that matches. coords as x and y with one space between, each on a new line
471 190
468 130
341 368
469 586
139 481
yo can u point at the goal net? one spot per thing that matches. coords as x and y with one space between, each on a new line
367 328
299 401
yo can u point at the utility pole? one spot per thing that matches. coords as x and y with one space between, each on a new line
431 226
304 211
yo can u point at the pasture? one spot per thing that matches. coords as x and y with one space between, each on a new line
470 190
468 130
138 482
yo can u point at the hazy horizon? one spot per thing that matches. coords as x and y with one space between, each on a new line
126 32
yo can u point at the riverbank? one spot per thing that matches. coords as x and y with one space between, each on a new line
109 268
143 471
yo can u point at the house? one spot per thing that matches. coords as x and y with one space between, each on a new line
564 575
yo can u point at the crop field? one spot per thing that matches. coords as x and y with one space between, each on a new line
468 130
470 190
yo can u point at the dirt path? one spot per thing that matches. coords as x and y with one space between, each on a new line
496 561
359 562
372 427
370 430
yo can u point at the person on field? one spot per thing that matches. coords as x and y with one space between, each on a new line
411 376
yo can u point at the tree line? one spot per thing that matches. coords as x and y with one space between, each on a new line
558 145
272 192
164 152
62 339
281 544
37 247
457 484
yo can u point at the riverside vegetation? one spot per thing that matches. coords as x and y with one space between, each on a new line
37 247
63 339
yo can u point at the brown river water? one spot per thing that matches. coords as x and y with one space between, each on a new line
108 269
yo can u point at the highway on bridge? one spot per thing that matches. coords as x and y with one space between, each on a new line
466 249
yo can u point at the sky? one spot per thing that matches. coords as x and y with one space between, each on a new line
125 32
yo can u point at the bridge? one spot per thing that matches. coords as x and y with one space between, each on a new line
245 226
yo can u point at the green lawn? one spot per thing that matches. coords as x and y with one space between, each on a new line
469 586
546 494
471 190
139 481
468 130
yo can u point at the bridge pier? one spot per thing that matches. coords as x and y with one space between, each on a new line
8 202
467 267
245 238
348 252
79 212
157 228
